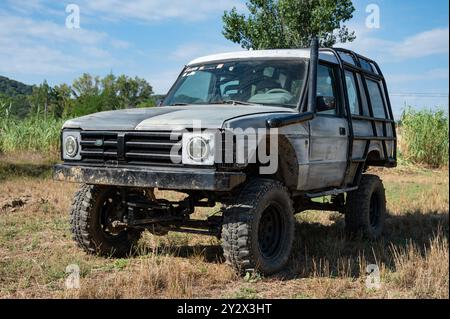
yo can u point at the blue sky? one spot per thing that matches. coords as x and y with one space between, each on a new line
153 39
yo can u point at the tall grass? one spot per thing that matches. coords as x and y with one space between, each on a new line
34 134
425 137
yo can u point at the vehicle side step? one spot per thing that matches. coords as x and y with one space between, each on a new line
335 191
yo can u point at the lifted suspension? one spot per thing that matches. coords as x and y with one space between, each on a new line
144 211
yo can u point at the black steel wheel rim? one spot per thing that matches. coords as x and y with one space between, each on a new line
110 211
270 232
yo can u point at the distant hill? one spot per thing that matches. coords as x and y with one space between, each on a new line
13 88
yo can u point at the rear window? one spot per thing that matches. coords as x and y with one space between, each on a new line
352 92
376 99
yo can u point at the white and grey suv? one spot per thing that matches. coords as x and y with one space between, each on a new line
261 132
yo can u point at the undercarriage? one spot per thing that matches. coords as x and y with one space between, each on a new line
140 209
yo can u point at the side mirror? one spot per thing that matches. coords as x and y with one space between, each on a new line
325 103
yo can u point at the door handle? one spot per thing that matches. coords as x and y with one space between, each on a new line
342 131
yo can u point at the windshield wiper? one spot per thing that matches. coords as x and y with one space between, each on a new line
233 102
279 104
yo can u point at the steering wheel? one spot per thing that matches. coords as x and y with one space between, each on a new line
273 91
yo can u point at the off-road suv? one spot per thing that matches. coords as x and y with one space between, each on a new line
263 133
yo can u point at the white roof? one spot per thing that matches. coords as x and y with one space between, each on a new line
248 54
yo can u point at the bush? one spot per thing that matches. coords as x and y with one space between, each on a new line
425 137
31 134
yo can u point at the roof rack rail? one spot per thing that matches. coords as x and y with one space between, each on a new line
357 58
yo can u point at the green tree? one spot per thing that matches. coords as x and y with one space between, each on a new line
281 24
109 93
94 94
61 100
86 91
133 91
86 85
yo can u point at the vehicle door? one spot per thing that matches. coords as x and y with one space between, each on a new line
328 132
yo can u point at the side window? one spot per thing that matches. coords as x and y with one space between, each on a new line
376 99
326 86
352 92
362 92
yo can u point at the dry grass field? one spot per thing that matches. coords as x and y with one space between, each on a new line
36 247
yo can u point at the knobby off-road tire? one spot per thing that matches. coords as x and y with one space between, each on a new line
258 228
89 207
366 209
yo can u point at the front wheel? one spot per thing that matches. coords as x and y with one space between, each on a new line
366 209
258 228
93 213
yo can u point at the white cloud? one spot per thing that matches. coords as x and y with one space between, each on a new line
30 46
423 44
431 75
163 80
28 7
27 28
141 10
25 6
120 44
156 10
34 47
42 60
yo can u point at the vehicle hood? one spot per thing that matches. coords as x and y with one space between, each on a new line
169 117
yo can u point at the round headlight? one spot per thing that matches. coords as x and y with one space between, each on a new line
71 146
198 149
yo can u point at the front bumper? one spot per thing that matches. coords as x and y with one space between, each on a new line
165 178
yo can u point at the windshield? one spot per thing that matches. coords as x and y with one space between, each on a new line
267 82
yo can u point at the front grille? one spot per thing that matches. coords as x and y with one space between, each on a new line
134 148
152 147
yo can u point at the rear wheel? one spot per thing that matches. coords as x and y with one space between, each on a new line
258 228
93 213
366 209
